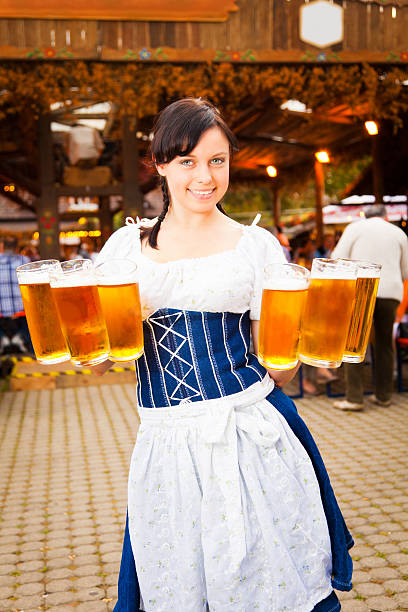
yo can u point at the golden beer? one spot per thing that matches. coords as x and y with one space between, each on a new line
327 315
362 316
79 310
42 318
283 299
123 316
82 323
279 328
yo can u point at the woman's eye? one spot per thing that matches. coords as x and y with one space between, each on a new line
186 162
217 161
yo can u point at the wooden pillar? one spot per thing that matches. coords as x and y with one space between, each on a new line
276 203
105 218
377 168
47 203
132 196
319 186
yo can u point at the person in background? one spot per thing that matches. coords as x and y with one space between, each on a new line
284 242
376 240
327 246
14 334
305 254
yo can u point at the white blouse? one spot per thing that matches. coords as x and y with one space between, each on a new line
230 281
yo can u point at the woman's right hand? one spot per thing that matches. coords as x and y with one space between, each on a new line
101 368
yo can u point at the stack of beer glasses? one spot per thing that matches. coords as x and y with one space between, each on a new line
283 300
328 310
42 317
119 294
75 291
368 276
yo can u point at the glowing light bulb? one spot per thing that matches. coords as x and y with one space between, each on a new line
371 127
271 171
323 157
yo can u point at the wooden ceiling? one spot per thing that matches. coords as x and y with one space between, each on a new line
288 140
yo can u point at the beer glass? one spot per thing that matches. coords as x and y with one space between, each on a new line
283 300
79 309
326 320
119 294
368 277
39 307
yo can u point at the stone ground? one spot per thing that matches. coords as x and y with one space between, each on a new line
64 457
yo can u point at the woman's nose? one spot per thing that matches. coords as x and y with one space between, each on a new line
203 174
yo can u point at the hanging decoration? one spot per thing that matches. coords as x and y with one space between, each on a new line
321 23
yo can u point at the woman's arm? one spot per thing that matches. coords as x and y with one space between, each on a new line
281 377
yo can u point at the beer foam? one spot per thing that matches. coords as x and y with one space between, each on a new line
30 277
333 275
66 281
368 273
286 284
122 280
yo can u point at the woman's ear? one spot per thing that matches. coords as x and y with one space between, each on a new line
161 169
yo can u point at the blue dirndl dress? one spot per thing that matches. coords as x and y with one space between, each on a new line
162 386
230 508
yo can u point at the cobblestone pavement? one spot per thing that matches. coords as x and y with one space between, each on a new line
64 457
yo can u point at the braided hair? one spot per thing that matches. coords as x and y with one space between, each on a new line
176 132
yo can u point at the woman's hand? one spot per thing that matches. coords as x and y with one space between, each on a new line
101 368
281 377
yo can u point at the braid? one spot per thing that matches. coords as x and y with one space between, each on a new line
221 208
166 203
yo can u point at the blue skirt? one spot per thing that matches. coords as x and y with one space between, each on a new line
340 538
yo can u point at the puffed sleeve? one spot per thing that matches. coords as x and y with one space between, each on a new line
263 249
123 244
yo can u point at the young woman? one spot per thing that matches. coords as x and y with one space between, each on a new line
230 507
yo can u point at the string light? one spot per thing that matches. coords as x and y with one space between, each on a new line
271 171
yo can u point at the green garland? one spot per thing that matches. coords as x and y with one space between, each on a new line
141 90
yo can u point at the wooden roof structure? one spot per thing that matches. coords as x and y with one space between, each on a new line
247 56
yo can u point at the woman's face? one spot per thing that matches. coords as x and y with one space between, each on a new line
198 181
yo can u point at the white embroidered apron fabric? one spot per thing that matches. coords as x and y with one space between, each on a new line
224 509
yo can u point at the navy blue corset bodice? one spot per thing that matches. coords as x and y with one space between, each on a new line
196 356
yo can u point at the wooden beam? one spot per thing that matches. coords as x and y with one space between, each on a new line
105 219
66 190
319 186
47 211
390 57
377 168
132 195
14 197
15 176
265 137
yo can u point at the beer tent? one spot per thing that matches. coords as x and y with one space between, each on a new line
251 59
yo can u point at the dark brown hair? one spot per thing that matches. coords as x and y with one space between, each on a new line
176 132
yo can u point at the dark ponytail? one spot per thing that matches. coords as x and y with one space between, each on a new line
176 132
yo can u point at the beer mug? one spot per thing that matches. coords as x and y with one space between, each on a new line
368 277
42 318
75 292
283 300
326 320
119 294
